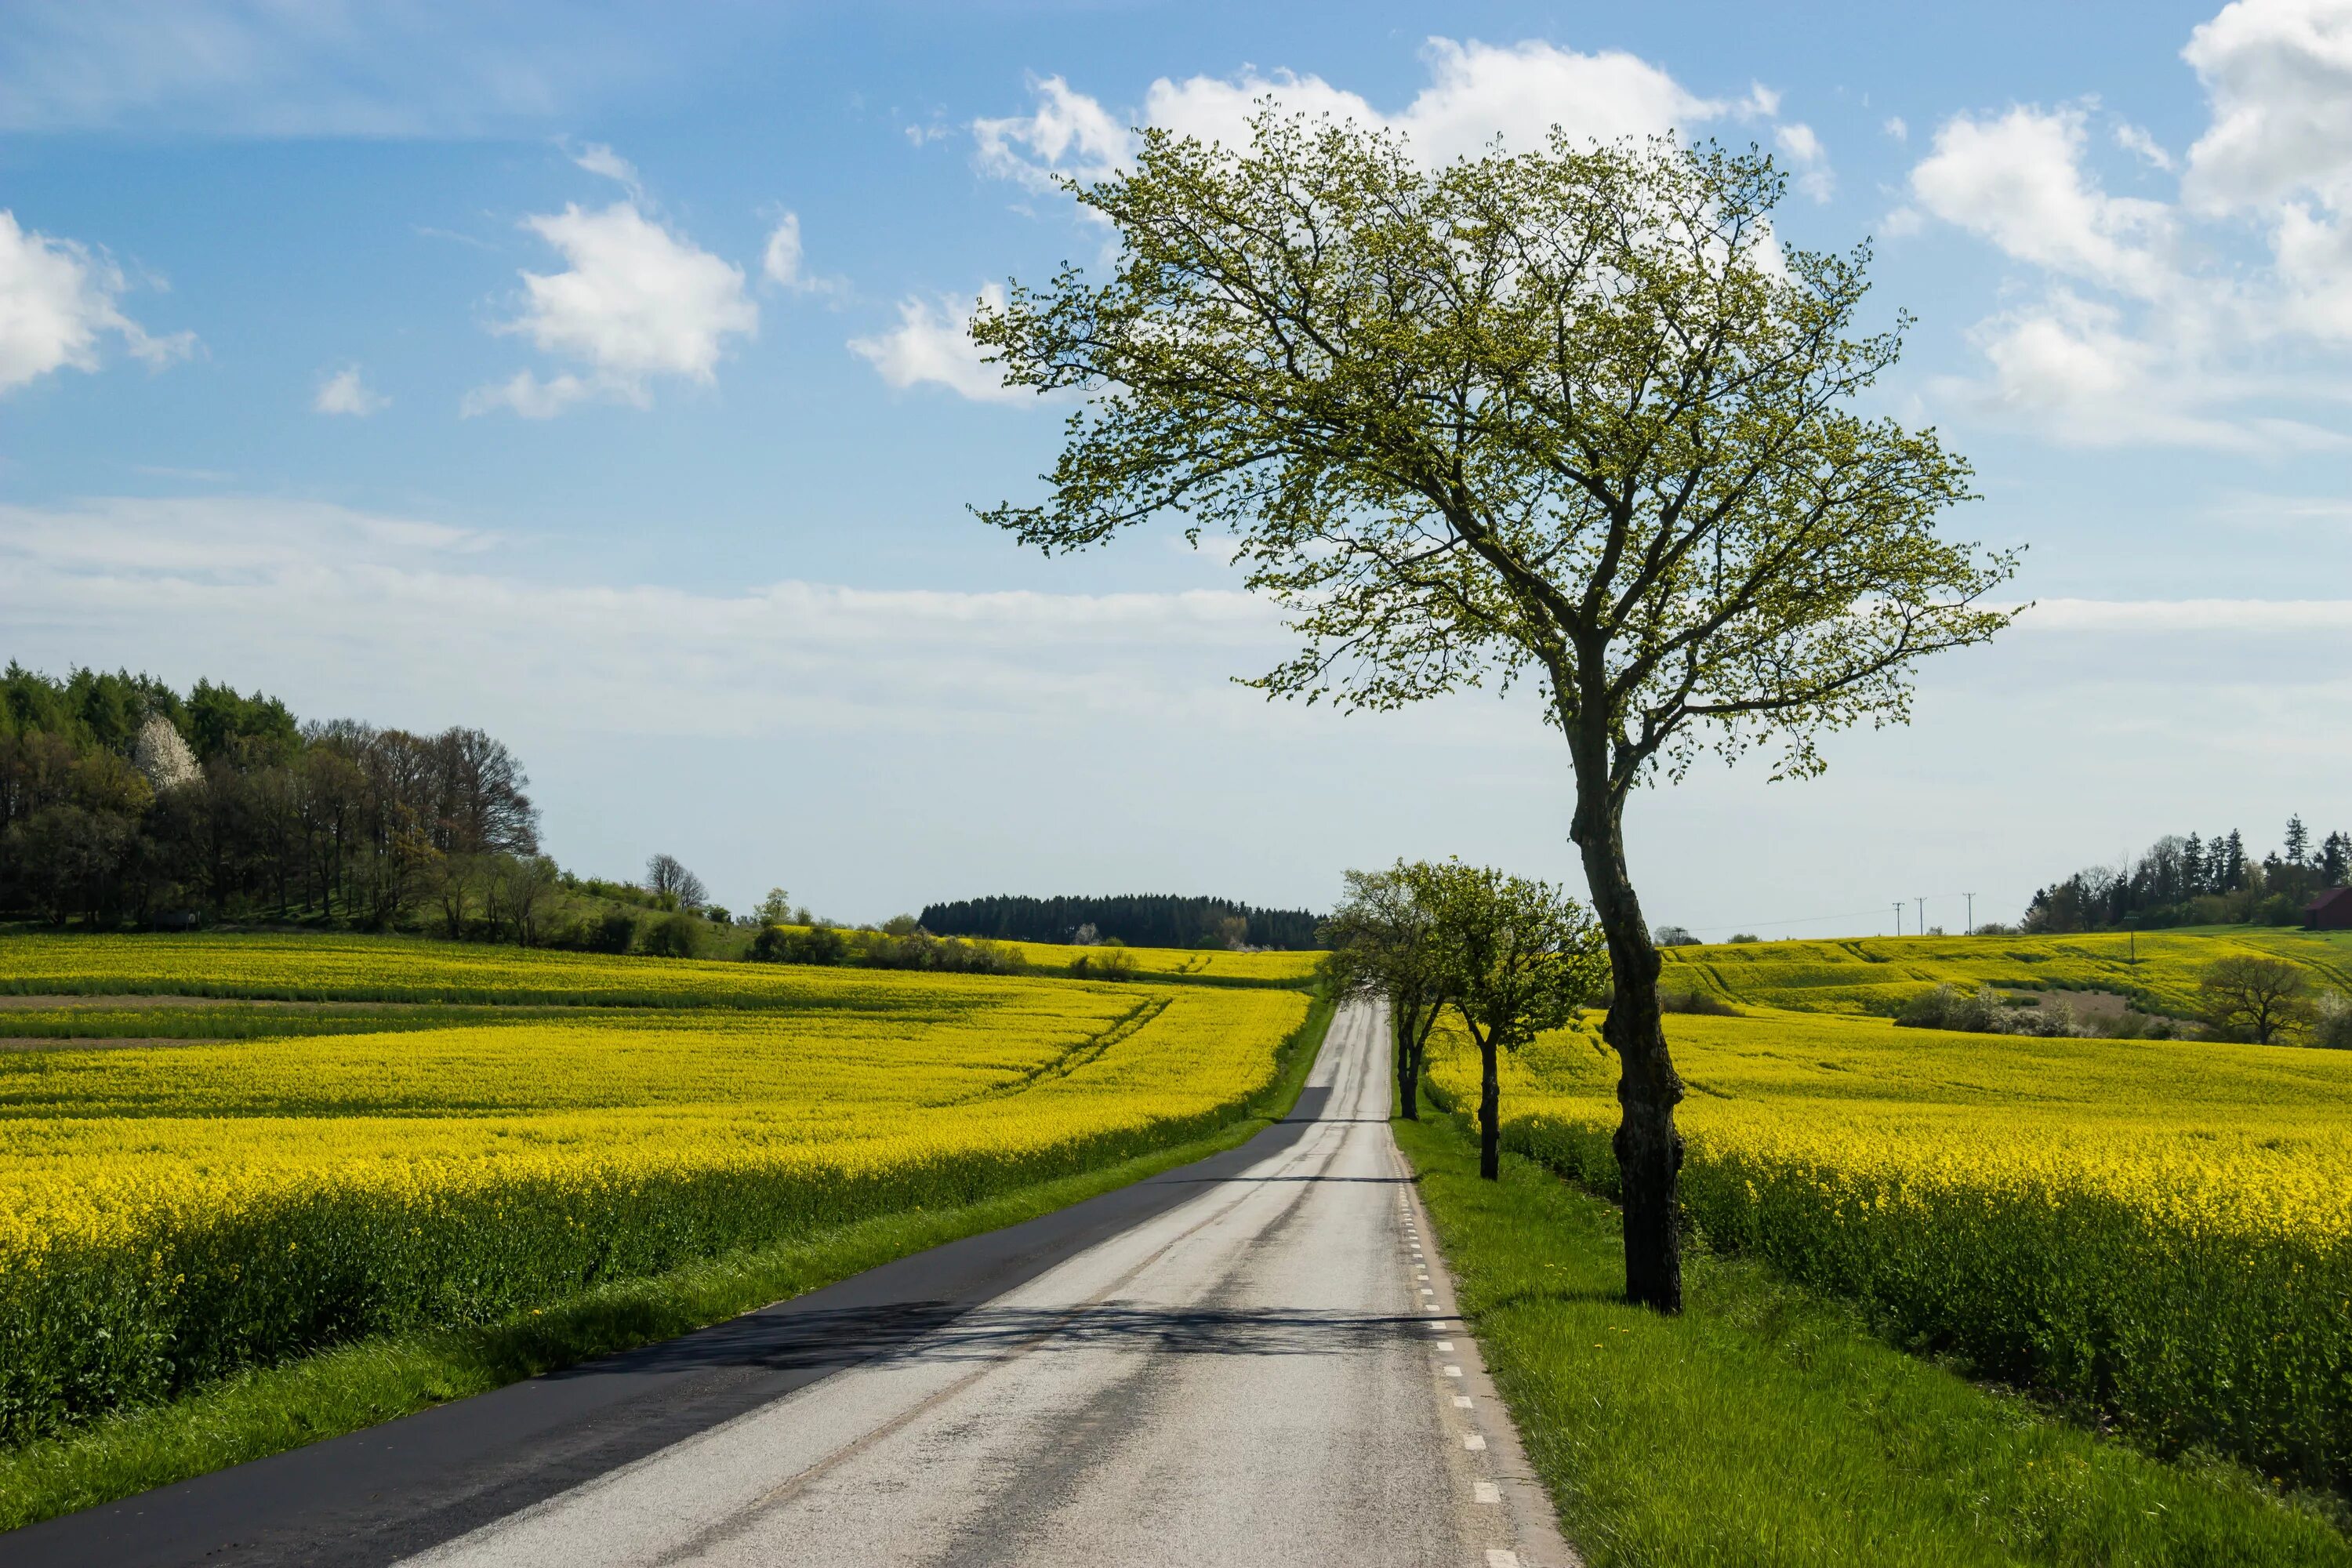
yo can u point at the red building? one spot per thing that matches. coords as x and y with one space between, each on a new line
2332 911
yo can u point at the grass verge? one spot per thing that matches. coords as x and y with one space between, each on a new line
1767 1426
268 1410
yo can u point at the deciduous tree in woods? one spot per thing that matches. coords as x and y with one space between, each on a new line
665 874
1383 941
1517 958
1578 414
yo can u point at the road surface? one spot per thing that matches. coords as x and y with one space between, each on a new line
1245 1361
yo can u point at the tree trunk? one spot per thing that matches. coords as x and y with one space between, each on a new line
1408 1065
1649 1149
1490 1112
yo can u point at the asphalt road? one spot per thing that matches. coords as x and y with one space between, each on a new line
1245 1361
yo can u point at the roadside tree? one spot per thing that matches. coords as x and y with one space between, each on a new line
1518 957
1579 414
1383 942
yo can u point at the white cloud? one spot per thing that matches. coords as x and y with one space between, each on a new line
2278 77
601 161
1803 149
780 260
637 301
1896 128
59 299
932 343
345 393
536 399
2069 368
293 584
2198 341
1066 133
1475 93
2019 180
2255 616
2135 141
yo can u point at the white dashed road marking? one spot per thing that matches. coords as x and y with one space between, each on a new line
1485 1492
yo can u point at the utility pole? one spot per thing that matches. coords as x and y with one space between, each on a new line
1898 917
1972 912
1922 926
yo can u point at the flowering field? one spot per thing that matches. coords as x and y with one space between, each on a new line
2158 1231
2158 970
169 1212
1282 968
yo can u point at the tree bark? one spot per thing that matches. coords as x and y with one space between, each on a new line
1649 1148
1401 1020
1490 1112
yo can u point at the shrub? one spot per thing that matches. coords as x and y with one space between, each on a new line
919 948
2331 1021
806 944
1105 963
617 932
1697 1001
672 936
1983 1012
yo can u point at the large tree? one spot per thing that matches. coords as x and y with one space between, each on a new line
1578 414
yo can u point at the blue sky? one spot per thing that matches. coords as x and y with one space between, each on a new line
599 380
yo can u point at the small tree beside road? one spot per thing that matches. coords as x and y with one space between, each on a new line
1383 942
1518 957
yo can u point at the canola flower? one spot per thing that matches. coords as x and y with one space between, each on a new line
395 969
2159 969
2159 1231
170 1213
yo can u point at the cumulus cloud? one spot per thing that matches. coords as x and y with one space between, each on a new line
2153 324
1811 160
2278 77
932 344
1066 133
345 393
58 301
2018 180
1476 92
637 301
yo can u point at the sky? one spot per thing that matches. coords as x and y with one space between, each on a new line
597 376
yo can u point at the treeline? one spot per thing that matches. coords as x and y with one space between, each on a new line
1138 919
2198 880
122 801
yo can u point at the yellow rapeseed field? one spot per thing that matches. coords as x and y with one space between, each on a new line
1286 968
2158 1230
170 1212
2158 970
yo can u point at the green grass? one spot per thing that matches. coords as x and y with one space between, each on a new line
1767 1426
267 1411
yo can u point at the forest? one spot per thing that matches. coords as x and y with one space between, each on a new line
2198 880
124 802
1138 919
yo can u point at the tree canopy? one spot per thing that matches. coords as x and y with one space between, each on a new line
1580 413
